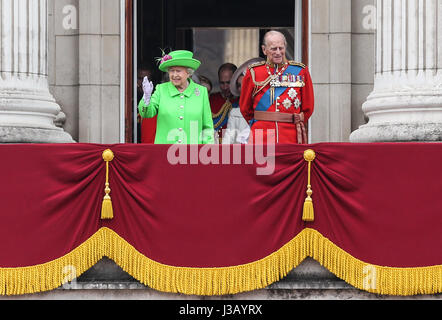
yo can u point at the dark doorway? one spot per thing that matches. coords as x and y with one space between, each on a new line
208 28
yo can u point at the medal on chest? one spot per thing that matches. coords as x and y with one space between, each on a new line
287 81
281 80
274 80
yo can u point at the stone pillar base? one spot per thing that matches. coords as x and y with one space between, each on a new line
398 132
33 135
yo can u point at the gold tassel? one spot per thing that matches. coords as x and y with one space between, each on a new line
308 212
107 211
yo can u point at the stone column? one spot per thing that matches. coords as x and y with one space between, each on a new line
406 103
27 109
331 67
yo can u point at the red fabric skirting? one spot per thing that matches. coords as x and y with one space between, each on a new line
379 203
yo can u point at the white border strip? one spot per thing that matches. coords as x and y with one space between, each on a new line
298 30
298 43
310 125
135 71
122 70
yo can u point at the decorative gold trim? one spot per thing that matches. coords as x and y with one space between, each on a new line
53 274
225 109
222 281
256 64
299 64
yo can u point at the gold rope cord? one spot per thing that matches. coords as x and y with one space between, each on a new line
259 85
308 212
225 109
107 212
223 281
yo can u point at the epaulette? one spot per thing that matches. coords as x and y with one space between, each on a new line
299 64
257 64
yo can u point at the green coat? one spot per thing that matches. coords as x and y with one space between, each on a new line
183 118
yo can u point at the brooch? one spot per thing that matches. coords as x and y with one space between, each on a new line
287 103
292 93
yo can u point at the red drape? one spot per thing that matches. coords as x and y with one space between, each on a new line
148 130
380 203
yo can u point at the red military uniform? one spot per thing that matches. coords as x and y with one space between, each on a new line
271 96
221 108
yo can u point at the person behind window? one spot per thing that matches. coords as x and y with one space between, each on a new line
222 102
238 129
277 95
182 106
204 81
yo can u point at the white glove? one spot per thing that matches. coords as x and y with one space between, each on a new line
147 89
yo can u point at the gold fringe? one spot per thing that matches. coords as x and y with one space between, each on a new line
51 275
372 278
223 281
205 281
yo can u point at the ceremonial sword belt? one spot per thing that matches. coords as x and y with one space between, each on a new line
301 131
277 117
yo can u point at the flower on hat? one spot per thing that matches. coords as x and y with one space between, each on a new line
166 58
182 58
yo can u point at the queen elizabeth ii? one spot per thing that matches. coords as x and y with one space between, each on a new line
182 106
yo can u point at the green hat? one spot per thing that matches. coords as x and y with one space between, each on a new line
179 58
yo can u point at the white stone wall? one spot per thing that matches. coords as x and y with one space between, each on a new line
84 67
363 51
63 61
342 67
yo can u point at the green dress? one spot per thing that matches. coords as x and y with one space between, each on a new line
183 118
